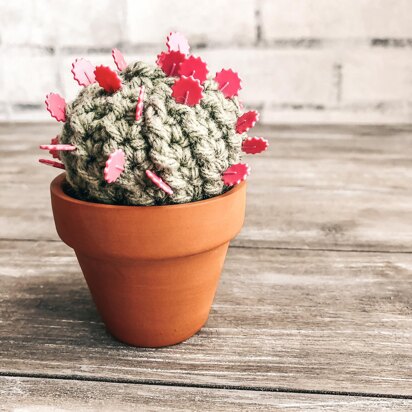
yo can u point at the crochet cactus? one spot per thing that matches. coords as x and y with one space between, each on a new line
149 135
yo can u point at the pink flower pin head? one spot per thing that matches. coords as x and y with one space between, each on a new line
56 106
139 106
177 42
114 166
235 174
187 90
170 62
246 121
107 78
195 67
229 82
119 60
254 145
83 72
159 182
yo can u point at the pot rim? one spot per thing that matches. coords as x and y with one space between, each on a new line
56 187
98 229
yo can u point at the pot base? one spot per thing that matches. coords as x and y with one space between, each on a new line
154 303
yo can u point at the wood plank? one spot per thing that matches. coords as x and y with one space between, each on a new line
43 394
317 187
103 396
313 320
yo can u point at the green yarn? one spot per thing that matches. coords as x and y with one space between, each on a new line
188 147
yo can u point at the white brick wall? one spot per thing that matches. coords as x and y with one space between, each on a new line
334 19
371 76
27 74
300 60
61 23
212 21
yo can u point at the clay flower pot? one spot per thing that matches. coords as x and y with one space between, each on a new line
152 270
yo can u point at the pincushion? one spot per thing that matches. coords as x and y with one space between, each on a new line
130 134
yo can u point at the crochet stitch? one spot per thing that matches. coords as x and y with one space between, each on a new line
189 147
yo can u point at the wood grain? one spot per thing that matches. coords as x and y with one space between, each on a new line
42 394
339 188
311 320
315 296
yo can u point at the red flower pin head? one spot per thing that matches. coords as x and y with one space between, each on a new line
235 174
170 62
246 121
56 106
83 72
187 90
159 182
114 166
177 42
119 60
254 145
194 66
107 78
229 82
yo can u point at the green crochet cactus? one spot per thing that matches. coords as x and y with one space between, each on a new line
189 147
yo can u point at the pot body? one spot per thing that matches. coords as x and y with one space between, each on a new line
152 270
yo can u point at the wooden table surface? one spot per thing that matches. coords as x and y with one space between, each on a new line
313 311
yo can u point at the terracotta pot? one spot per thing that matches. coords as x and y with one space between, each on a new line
152 271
